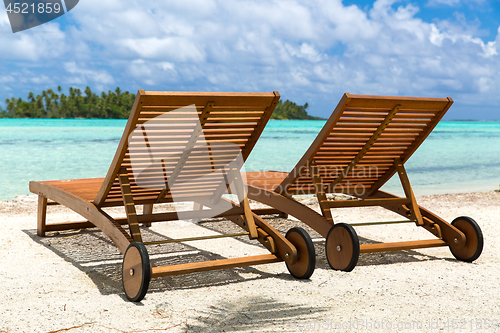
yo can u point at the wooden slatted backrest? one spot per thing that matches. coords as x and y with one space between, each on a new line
356 150
226 119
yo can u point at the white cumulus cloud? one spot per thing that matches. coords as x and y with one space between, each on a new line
311 51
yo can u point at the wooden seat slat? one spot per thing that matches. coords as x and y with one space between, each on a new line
372 126
223 126
367 131
369 109
175 142
147 109
235 114
377 120
334 135
248 122
154 132
379 114
175 149
152 98
192 162
168 121
389 101
178 136
341 149
337 144
216 112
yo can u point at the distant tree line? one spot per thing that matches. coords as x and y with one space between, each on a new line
290 110
111 105
50 104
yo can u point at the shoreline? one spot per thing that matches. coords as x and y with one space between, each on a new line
419 191
70 281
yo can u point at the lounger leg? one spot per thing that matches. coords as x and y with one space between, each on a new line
42 216
85 208
320 192
147 210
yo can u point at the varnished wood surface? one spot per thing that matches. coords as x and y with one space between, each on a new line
357 148
213 265
128 203
41 216
366 202
84 188
234 119
266 180
320 192
471 244
292 207
366 140
398 246
120 152
86 209
255 106
339 248
132 282
405 182
300 267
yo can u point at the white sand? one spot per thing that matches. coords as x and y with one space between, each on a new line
71 282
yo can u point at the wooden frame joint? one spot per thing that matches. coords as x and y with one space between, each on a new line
405 182
235 176
320 191
128 202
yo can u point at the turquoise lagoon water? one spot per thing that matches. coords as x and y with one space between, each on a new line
457 157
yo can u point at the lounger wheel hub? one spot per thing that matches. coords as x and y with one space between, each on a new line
474 240
342 247
136 272
304 267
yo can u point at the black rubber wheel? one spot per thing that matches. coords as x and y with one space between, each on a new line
136 272
474 239
306 261
342 247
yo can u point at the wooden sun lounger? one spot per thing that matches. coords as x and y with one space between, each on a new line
363 144
166 156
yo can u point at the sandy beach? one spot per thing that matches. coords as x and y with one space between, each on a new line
70 281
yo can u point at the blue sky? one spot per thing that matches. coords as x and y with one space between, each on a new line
310 51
